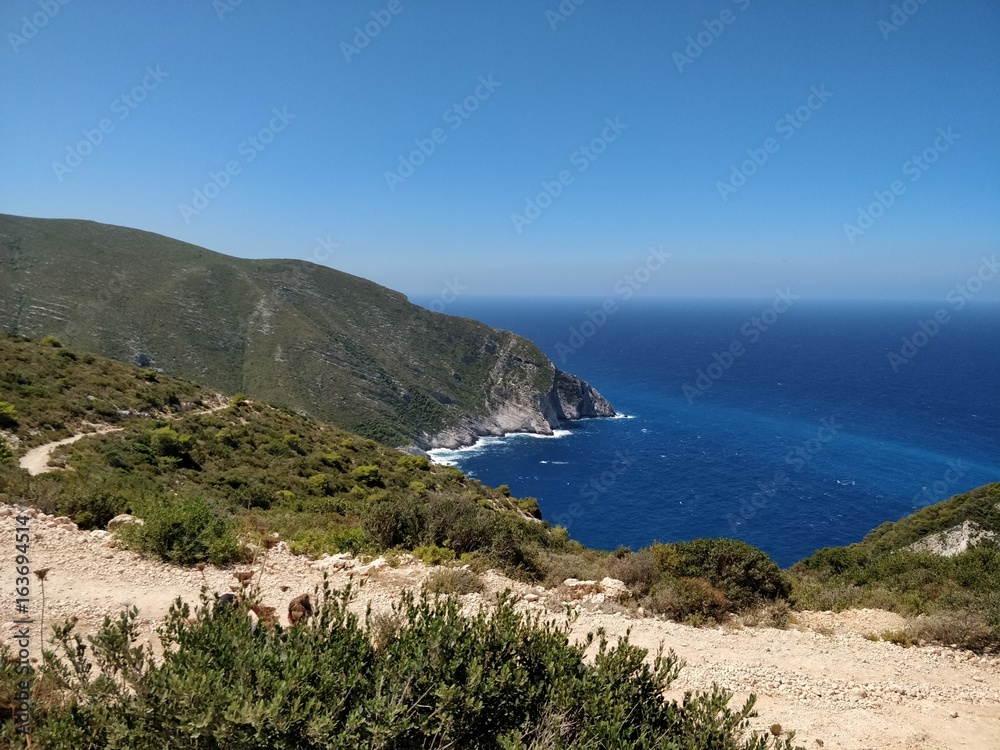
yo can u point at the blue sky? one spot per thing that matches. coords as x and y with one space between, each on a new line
745 136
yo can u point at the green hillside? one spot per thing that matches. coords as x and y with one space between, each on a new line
323 342
243 471
959 594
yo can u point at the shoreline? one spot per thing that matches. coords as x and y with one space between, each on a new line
451 456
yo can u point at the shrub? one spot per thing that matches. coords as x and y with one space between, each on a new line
367 475
430 677
454 581
965 629
182 531
684 598
898 637
413 463
637 570
774 615
334 461
319 483
51 341
6 454
434 555
315 542
166 442
8 416
746 574
391 524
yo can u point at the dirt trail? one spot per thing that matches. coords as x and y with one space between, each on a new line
36 460
820 677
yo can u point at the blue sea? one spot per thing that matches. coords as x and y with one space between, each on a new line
782 423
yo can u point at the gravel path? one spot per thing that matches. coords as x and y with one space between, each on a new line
821 677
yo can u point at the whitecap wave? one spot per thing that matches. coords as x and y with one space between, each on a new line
451 456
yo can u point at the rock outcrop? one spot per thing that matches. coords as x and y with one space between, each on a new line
953 541
517 405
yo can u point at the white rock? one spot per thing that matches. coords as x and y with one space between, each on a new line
377 564
615 589
122 520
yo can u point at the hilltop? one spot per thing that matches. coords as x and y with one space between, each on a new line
322 342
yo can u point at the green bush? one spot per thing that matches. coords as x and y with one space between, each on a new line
6 454
455 581
684 598
8 416
183 531
746 574
367 475
413 463
426 677
51 341
637 570
166 442
434 555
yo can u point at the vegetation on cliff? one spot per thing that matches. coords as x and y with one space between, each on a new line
954 599
322 342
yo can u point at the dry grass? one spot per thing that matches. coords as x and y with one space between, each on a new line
457 581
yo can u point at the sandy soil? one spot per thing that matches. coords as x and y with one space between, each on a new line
820 677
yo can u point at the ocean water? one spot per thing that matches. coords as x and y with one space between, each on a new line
782 424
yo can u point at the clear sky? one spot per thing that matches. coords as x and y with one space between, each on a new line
524 147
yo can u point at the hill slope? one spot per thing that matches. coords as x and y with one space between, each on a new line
203 470
915 566
332 345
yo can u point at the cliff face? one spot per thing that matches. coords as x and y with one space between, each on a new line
527 394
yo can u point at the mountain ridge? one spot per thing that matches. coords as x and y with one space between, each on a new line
327 343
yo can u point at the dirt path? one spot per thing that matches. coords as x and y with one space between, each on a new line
820 677
36 460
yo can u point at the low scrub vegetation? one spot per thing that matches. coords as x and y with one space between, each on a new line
702 581
424 676
47 391
954 599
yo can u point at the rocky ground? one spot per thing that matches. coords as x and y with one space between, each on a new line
820 677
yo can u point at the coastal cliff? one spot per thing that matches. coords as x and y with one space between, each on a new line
321 342
527 393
